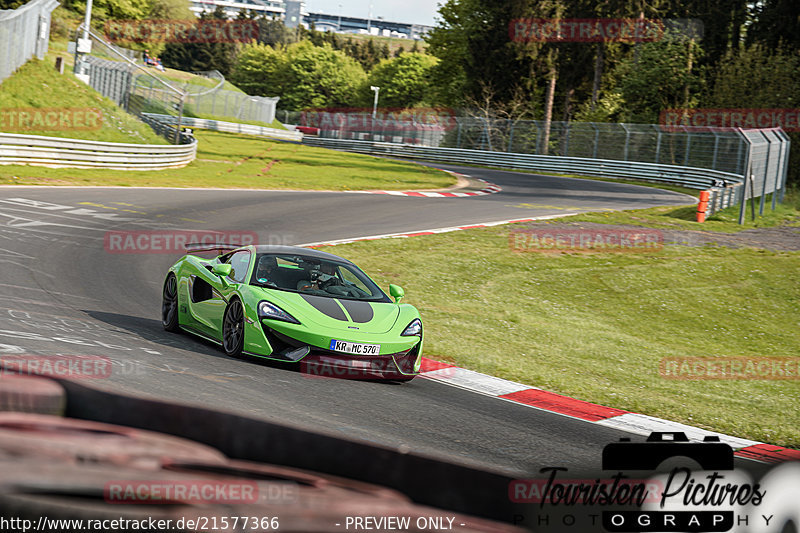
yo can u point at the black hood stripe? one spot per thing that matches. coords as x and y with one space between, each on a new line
360 312
326 306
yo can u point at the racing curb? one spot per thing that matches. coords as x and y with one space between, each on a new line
589 412
432 231
564 405
488 188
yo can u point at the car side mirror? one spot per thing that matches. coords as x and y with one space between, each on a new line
222 270
396 292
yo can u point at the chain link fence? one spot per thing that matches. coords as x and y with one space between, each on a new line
759 157
723 150
24 33
218 103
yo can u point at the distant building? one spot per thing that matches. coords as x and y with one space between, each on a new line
376 26
295 9
270 8
293 13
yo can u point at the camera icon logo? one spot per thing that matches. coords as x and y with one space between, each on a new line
711 454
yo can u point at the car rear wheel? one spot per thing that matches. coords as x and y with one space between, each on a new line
169 304
233 329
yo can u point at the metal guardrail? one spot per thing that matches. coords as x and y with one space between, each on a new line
228 127
693 178
726 189
76 153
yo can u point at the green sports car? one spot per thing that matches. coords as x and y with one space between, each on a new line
294 304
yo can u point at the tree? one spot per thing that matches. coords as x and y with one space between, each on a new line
777 22
759 77
273 32
302 74
258 70
659 79
170 10
204 55
471 40
404 80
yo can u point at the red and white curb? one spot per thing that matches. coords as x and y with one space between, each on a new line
490 188
564 405
432 231
593 413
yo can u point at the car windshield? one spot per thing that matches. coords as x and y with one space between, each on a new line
315 276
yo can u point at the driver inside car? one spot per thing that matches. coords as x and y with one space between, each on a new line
266 270
322 277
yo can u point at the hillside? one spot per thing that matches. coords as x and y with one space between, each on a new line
38 86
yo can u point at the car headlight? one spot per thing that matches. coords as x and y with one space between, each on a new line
413 329
270 310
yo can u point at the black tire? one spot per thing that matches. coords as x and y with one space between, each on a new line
169 304
233 328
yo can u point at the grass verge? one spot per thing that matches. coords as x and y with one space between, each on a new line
38 85
245 162
596 326
684 217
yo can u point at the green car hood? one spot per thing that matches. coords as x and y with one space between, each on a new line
340 313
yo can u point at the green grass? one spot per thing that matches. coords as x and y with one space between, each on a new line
38 85
684 217
595 326
241 161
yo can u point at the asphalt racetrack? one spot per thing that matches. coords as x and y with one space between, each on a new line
63 293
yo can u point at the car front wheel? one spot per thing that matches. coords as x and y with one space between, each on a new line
169 304
233 329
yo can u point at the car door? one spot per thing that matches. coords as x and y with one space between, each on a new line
210 295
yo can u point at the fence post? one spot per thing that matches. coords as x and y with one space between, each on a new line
627 142
784 171
688 148
658 146
766 175
746 173
716 150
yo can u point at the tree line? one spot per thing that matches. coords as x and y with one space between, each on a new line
721 54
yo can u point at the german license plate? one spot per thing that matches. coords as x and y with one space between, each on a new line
355 347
